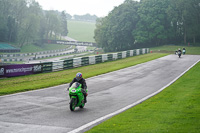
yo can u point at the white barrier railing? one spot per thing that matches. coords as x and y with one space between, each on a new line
83 61
92 60
57 66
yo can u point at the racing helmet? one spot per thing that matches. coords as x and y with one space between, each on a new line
79 76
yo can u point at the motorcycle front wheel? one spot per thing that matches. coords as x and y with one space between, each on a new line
72 104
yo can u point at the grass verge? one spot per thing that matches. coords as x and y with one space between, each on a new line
38 81
176 110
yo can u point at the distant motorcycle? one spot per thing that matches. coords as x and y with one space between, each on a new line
184 51
179 54
76 96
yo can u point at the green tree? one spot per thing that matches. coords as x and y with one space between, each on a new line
101 36
86 17
5 6
64 31
29 27
154 26
185 16
114 32
24 21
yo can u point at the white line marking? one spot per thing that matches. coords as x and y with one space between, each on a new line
129 106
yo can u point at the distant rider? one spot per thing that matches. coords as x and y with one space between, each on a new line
80 80
184 51
179 50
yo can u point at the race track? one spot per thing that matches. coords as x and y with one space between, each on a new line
47 110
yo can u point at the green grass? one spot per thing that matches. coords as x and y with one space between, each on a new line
81 31
91 48
172 48
175 110
33 48
38 81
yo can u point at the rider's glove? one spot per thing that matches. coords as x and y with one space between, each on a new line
83 91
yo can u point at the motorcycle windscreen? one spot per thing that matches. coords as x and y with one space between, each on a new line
75 85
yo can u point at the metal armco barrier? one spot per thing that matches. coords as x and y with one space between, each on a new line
119 55
37 53
110 57
124 54
128 53
98 59
47 67
67 64
92 60
134 52
104 57
85 61
57 66
77 62
26 69
137 51
34 56
115 56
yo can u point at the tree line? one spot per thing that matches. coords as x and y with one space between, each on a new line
86 17
23 22
149 23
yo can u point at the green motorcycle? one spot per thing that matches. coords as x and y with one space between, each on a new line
76 96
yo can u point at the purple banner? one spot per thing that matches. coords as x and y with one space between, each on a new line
19 70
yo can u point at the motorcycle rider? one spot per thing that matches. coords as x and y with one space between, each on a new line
179 51
184 51
80 80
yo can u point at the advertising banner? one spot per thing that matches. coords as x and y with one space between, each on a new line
19 70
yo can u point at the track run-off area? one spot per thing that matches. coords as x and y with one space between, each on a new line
47 110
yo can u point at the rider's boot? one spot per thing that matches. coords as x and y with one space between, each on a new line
85 99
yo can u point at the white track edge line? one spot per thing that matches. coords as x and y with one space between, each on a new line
129 106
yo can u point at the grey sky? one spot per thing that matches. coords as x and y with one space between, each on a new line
80 7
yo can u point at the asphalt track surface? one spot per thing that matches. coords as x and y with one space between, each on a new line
47 110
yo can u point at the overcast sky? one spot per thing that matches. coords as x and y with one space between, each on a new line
100 8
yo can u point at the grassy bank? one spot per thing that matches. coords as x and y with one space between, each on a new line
172 48
78 30
81 31
45 47
38 81
174 110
